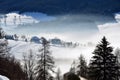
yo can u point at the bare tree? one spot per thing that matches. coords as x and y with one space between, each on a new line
117 53
58 74
2 33
29 64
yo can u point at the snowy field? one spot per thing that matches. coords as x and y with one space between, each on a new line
63 56
48 26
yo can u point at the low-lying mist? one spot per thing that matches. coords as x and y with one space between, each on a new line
76 28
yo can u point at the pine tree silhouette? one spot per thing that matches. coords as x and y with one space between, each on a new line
9 65
103 65
82 67
45 62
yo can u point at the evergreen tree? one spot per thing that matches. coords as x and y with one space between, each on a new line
103 64
73 67
82 67
45 62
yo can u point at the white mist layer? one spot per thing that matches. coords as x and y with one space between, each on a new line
63 56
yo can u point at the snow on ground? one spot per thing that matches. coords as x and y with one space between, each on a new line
63 56
82 78
3 78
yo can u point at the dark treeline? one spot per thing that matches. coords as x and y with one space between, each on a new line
104 65
9 66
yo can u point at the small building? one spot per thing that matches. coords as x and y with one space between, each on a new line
35 39
9 37
71 76
56 41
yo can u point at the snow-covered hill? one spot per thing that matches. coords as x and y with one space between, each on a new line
63 56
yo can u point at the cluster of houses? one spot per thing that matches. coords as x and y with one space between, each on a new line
11 37
57 41
37 40
15 37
